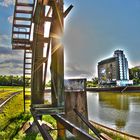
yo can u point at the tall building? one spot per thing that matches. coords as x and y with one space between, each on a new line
123 65
113 69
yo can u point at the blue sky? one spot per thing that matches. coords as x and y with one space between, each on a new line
93 30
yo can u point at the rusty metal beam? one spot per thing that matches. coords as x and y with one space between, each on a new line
16 47
49 110
24 4
68 10
87 123
97 132
45 2
24 11
79 133
57 57
23 18
21 26
37 96
49 19
23 40
42 128
24 33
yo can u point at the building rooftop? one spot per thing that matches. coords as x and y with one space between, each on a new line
111 59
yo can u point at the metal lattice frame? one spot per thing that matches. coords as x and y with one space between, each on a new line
28 16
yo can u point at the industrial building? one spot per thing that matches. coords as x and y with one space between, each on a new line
114 70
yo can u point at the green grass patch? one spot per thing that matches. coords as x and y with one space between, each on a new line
6 91
11 88
12 109
12 129
11 116
37 136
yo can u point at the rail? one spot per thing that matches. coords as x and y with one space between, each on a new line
8 99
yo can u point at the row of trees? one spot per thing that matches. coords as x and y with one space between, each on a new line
12 80
134 74
18 81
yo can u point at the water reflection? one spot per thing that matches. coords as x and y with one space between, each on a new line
116 110
114 100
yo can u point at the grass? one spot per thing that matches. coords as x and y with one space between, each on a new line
11 119
11 110
11 88
37 136
12 129
27 101
5 91
11 114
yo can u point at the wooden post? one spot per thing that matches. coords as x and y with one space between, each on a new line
76 98
37 95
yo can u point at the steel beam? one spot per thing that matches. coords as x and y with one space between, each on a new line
68 10
42 128
57 57
79 133
37 95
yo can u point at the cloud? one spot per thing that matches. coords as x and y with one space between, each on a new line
5 40
10 19
8 51
4 37
73 70
7 3
5 50
10 69
11 62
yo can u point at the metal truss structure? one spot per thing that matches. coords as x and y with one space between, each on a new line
28 34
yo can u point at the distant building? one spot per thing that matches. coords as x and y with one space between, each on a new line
114 70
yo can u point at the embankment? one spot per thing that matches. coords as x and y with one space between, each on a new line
114 132
115 89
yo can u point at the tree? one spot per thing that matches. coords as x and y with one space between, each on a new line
95 80
11 80
134 74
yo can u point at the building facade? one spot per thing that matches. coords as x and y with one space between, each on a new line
113 69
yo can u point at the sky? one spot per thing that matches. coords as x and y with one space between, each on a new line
94 29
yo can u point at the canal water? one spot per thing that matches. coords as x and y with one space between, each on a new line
116 110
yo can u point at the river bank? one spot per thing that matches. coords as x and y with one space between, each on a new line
114 132
115 89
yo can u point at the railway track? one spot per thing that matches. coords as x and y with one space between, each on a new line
2 103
